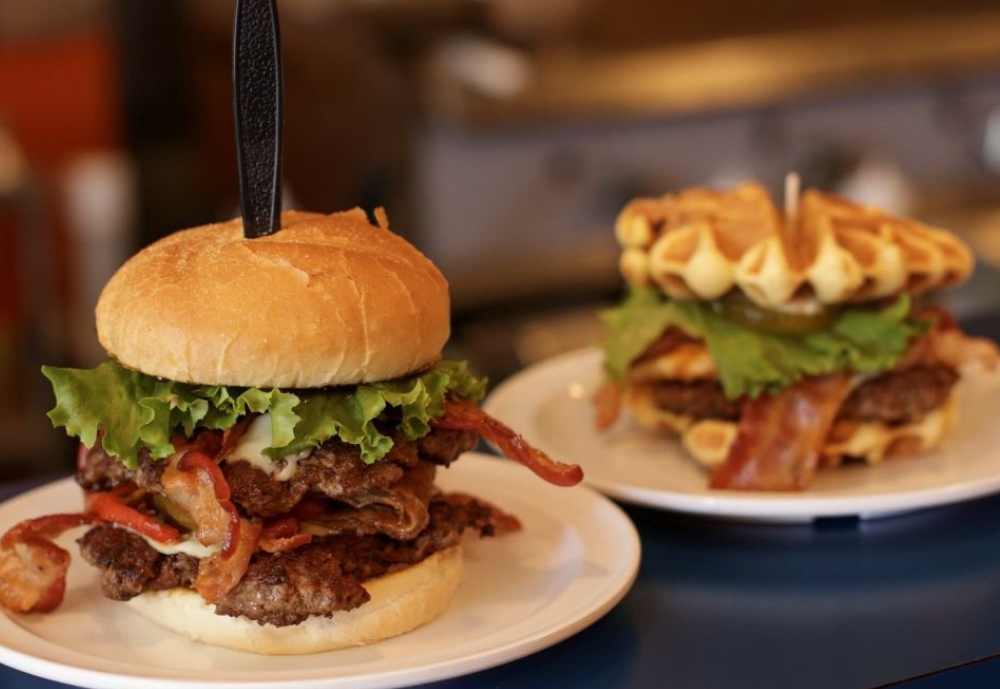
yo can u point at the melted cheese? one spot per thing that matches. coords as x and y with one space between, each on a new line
251 450
188 546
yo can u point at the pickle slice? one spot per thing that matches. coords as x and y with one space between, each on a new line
176 513
738 308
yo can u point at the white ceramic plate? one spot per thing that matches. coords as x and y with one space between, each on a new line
550 404
574 560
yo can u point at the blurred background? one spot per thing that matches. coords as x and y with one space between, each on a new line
503 136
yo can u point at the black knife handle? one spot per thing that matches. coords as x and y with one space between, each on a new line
257 103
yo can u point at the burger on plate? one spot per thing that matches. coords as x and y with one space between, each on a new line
776 343
258 453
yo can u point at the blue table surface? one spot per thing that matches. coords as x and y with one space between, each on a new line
841 604
836 604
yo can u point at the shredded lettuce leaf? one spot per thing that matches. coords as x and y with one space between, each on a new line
131 411
751 362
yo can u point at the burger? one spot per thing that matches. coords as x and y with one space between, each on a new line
774 343
258 453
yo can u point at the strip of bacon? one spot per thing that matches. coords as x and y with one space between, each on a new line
219 574
195 482
607 404
946 344
283 534
463 415
779 438
32 567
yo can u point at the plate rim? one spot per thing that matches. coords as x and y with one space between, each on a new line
590 609
762 507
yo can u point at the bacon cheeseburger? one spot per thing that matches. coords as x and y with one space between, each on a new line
775 343
258 454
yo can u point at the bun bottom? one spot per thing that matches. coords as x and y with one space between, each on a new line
400 602
709 440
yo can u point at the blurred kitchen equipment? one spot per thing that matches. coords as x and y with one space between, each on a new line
518 187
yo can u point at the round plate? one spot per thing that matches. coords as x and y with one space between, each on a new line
550 403
574 560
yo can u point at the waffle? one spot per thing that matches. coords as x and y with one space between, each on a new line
701 244
709 440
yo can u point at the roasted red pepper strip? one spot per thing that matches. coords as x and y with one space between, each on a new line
463 415
780 436
110 507
32 568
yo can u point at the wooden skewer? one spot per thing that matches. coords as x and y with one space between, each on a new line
792 183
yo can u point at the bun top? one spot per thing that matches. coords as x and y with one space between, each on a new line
328 300
700 244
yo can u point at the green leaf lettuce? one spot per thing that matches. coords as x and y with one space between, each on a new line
131 411
750 362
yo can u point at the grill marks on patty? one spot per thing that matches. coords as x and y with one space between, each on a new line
320 578
895 397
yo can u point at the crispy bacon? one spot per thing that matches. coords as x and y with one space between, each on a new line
779 438
956 349
607 404
219 574
463 415
195 483
193 461
32 567
283 534
946 344
111 507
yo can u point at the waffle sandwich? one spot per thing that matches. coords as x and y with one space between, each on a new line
776 342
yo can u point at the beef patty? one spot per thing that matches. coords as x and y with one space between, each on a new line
320 578
334 469
130 566
896 397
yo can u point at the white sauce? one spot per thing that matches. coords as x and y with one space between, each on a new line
251 450
189 546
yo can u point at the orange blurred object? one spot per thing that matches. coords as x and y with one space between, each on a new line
59 96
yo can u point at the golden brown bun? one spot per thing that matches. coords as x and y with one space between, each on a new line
709 440
700 244
400 602
328 300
